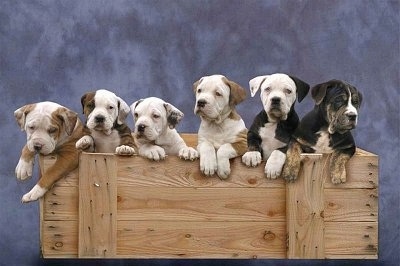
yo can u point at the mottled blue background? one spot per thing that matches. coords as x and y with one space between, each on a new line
57 50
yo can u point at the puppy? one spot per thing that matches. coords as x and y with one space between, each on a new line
222 132
105 128
326 129
155 132
50 129
269 135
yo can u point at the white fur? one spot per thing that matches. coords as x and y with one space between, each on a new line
350 109
35 193
322 145
269 142
24 169
158 138
274 165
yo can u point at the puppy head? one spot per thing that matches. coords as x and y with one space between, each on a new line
278 93
47 125
153 117
216 96
102 109
339 102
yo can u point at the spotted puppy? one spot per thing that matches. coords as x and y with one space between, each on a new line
106 131
50 129
271 131
326 129
222 132
155 132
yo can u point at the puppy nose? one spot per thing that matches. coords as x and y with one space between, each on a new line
276 100
201 103
37 146
352 117
99 119
141 128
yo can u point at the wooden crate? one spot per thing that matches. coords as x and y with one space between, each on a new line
130 207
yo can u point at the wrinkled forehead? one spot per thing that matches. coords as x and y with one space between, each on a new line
104 98
279 82
213 83
149 106
340 89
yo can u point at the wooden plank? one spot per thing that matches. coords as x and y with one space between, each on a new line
60 203
351 205
70 180
304 206
175 172
161 239
97 205
190 204
59 239
351 239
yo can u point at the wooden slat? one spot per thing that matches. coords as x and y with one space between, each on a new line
190 204
351 205
61 203
351 239
175 172
160 239
70 180
59 239
304 206
97 205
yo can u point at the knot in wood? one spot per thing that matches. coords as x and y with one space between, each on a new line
269 236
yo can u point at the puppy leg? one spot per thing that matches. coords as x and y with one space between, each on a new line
275 162
188 153
152 152
124 150
252 158
337 166
208 158
292 165
224 153
127 141
85 143
24 167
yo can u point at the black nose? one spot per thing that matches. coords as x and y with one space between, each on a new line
37 147
201 103
141 128
276 100
99 119
352 117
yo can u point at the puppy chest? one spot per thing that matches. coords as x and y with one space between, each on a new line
269 142
323 144
106 143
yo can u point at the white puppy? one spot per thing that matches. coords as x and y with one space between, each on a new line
222 132
155 132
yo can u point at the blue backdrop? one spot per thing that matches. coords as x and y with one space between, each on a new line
57 50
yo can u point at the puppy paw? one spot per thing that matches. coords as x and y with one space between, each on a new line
338 178
224 169
155 153
208 165
252 158
124 150
35 193
273 167
188 153
290 173
85 144
24 169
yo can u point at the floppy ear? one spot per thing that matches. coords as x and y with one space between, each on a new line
84 99
255 84
174 115
123 111
302 88
318 92
68 117
237 94
21 113
133 107
196 84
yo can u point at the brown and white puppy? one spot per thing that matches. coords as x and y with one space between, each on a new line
222 132
105 128
326 129
155 133
272 129
50 129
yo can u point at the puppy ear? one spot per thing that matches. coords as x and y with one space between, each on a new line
123 111
134 105
68 118
84 99
237 95
196 84
255 84
302 88
318 92
21 113
174 115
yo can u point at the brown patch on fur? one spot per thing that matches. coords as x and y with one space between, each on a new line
337 165
66 119
87 102
125 135
292 165
237 93
196 84
240 145
21 113
234 115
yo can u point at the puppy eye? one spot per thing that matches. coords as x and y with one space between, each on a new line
111 107
355 101
52 130
218 94
198 90
31 127
155 116
287 91
136 115
267 89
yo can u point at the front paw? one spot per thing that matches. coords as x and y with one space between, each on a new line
24 169
208 165
35 193
252 158
188 153
224 169
85 144
290 172
338 178
274 165
154 153
124 150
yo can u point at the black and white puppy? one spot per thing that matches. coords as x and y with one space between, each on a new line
273 127
326 129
